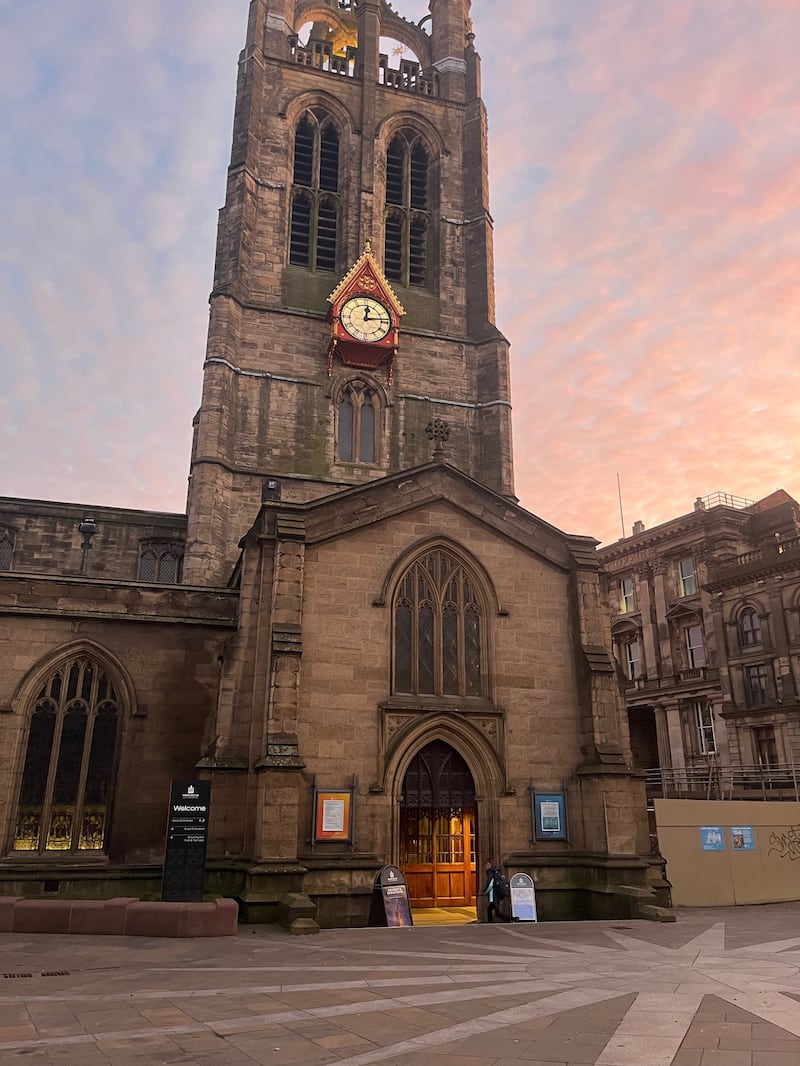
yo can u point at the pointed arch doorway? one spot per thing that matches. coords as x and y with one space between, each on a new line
437 829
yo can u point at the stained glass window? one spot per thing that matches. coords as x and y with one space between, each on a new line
438 636
67 776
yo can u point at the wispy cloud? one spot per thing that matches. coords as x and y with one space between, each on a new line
646 191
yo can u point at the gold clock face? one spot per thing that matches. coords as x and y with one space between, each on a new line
365 318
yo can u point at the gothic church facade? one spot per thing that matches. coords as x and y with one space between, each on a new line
355 633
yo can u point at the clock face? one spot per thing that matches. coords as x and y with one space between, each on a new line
365 318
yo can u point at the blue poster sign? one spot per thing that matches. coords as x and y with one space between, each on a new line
742 838
549 816
712 837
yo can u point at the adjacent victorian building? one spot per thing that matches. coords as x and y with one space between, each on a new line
706 629
355 633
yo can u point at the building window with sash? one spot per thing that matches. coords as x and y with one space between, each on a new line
315 204
439 629
704 727
407 218
766 746
65 793
749 628
631 657
756 679
627 601
694 647
686 575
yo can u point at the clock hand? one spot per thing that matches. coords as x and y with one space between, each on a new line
366 313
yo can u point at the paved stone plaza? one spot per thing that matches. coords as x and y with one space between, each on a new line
717 988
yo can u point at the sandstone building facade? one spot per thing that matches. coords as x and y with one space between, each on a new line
355 633
706 629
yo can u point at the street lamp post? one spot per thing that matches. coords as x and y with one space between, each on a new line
88 527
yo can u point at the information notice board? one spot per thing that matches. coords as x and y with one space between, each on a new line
523 898
187 840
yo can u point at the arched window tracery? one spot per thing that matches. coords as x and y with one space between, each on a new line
7 544
65 792
439 629
315 204
161 561
357 420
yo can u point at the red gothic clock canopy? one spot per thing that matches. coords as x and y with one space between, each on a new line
365 317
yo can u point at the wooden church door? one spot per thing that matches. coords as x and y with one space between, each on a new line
437 829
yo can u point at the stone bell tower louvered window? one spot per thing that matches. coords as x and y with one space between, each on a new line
314 223
407 222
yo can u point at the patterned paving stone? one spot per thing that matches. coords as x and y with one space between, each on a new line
717 988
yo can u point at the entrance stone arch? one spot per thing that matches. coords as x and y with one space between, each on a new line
444 779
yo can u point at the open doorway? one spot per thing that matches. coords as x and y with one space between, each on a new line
437 829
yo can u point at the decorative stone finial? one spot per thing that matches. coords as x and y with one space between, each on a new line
438 433
368 245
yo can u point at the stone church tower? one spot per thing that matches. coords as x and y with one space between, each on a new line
325 161
355 633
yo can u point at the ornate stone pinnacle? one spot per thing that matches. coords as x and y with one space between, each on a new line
438 433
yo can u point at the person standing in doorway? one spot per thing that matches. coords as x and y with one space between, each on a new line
494 894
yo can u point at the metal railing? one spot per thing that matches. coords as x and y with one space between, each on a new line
725 499
724 782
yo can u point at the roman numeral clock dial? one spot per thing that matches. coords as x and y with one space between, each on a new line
365 319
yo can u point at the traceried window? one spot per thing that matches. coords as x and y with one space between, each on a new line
438 629
688 583
64 797
704 727
161 561
316 207
7 541
357 421
407 220
749 628
627 601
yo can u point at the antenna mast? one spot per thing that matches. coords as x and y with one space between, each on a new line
621 515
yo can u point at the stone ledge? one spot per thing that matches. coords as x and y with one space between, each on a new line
118 917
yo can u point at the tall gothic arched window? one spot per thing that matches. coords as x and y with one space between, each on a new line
407 220
315 211
357 421
65 792
438 629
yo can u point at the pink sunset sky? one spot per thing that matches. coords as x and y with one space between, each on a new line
645 165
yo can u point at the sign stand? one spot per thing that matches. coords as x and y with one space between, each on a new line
390 904
187 839
523 898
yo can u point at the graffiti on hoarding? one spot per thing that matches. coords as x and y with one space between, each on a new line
786 844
